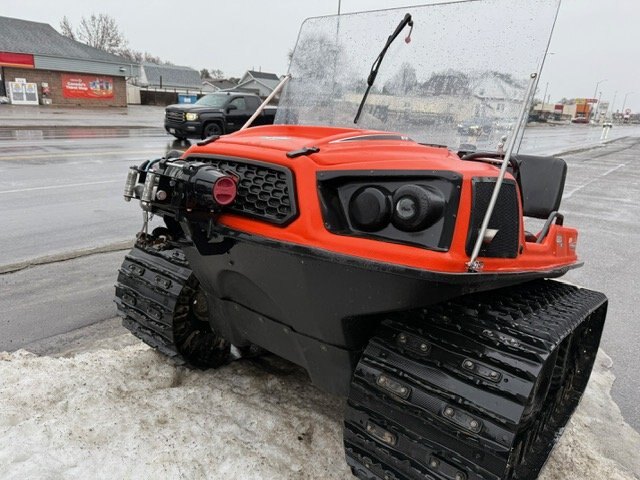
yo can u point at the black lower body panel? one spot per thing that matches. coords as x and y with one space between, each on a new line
321 294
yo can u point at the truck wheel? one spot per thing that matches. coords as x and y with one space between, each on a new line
211 129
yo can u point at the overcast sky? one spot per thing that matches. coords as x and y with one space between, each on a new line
593 40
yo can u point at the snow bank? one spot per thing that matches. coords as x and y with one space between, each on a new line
129 414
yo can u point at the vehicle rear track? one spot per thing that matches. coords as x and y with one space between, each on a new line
474 388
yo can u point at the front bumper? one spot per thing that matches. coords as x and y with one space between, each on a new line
184 129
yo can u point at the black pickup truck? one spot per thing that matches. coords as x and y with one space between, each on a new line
215 114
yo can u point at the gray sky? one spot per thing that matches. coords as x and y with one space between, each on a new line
593 39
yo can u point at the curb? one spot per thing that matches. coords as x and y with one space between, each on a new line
64 256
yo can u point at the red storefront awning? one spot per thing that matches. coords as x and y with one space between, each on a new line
22 60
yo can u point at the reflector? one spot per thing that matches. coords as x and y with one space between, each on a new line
225 190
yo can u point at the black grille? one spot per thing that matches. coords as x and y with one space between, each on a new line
264 191
505 218
175 116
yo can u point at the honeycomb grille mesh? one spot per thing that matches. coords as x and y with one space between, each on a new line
264 191
505 219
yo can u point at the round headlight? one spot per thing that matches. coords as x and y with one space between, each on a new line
191 117
370 209
416 207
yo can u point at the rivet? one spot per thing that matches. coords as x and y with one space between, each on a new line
402 338
493 374
369 428
460 476
474 424
403 390
433 463
448 411
467 364
382 380
424 347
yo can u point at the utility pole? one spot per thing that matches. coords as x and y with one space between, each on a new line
624 103
595 92
595 117
339 5
613 105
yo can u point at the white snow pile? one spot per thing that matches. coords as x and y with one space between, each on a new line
128 413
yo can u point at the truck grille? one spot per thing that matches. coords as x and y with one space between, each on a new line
175 116
505 218
265 191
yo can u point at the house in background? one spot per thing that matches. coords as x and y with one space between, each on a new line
260 83
161 84
212 85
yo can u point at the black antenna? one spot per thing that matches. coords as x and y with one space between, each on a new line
376 64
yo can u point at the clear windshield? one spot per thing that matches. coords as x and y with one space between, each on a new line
462 78
215 100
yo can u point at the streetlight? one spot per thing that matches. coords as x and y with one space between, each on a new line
595 92
624 103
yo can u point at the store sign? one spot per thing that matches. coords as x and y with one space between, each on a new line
16 60
86 86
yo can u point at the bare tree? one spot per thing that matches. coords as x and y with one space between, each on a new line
204 73
216 73
66 29
101 31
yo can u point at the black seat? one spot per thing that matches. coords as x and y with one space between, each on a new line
541 181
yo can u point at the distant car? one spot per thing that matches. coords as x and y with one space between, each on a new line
215 114
580 120
475 127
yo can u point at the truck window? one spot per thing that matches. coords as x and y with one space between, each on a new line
252 103
239 102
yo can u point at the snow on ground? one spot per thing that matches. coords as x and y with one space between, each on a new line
125 412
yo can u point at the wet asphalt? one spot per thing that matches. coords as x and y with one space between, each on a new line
61 191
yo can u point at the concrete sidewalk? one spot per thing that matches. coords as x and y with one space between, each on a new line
134 116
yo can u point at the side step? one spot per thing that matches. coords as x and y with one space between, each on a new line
479 387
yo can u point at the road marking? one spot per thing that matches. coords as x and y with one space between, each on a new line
611 170
51 187
78 154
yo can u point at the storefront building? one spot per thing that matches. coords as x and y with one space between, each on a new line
40 66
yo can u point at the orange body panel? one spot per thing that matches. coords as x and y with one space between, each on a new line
271 143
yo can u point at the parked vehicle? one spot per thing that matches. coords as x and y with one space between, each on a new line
215 114
374 260
475 127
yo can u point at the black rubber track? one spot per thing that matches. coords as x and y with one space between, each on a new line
158 297
474 388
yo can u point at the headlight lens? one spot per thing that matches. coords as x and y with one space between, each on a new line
416 207
370 209
191 117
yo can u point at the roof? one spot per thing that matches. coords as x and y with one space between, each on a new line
35 38
221 84
172 76
262 75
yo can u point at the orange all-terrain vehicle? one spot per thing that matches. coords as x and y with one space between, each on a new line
391 261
